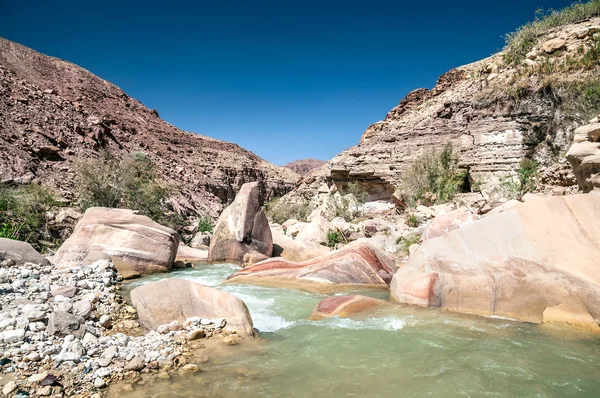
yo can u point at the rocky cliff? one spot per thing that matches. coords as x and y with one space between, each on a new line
304 166
493 112
52 111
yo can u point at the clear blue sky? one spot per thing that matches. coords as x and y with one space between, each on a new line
285 79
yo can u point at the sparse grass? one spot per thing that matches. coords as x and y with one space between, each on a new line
407 242
23 215
526 180
411 220
279 212
433 178
205 225
520 42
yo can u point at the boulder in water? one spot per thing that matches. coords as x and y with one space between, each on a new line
536 260
344 306
354 266
242 228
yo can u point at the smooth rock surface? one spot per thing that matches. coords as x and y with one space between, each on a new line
536 255
136 244
242 228
344 306
354 266
159 303
20 252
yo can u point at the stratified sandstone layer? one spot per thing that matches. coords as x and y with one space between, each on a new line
52 111
535 262
354 266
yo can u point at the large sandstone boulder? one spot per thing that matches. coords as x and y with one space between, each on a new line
446 222
345 306
136 244
159 303
536 260
584 156
354 266
242 228
188 254
20 252
293 250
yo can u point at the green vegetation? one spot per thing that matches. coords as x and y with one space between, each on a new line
407 242
205 225
360 194
433 178
23 215
333 238
279 212
130 183
411 220
526 180
520 42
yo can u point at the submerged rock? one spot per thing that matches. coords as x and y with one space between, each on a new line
344 306
159 303
242 228
136 244
520 263
352 267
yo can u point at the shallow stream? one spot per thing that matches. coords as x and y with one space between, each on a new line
404 352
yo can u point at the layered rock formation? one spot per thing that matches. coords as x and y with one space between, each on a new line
494 114
242 229
344 306
584 156
52 111
136 244
304 166
354 266
535 262
159 303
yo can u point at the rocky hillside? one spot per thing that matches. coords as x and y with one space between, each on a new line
304 166
494 112
52 112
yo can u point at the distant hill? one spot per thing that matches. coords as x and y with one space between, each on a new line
52 112
304 166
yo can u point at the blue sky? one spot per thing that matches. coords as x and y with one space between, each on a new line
285 79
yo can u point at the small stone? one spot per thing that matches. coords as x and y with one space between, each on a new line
50 380
12 336
136 363
190 368
66 291
44 391
105 321
9 388
99 383
195 335
37 378
82 308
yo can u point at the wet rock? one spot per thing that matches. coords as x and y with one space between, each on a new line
344 306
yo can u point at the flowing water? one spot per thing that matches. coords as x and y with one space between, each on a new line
404 352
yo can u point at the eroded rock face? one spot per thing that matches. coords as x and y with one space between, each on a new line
344 306
242 228
19 253
136 244
354 266
159 303
52 111
584 156
521 263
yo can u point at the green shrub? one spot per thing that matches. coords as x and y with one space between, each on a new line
520 42
407 242
433 178
333 238
130 183
279 212
205 225
412 220
23 215
360 194
526 180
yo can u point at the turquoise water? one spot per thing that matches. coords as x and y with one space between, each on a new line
399 352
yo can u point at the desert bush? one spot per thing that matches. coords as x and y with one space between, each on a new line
205 225
130 182
333 238
520 42
411 220
279 212
406 242
525 182
433 178
23 215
